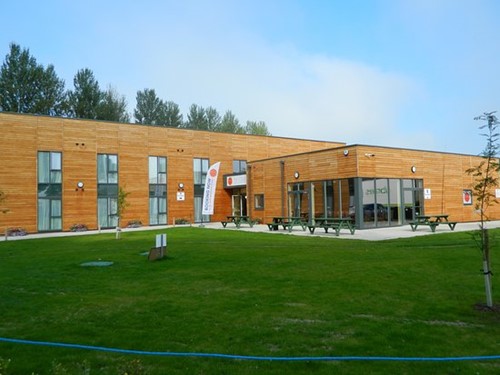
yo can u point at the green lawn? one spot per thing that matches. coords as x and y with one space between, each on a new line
256 294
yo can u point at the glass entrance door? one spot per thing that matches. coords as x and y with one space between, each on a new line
413 199
237 204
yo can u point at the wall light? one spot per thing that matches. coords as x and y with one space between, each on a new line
79 186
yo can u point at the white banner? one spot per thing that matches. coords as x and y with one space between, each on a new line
209 193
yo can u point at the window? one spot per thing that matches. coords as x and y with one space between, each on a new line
49 191
259 201
157 190
200 169
239 166
107 190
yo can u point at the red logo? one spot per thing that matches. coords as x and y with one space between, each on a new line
230 181
213 172
467 197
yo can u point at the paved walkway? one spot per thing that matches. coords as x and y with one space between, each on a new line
377 234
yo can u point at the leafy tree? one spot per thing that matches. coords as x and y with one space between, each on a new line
257 128
53 97
213 119
173 116
230 124
27 87
149 108
486 180
196 118
86 97
113 107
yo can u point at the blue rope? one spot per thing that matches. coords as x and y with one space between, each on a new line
250 357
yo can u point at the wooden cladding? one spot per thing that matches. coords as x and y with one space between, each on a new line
79 141
442 173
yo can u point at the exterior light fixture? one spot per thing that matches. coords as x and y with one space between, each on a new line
181 185
79 185
296 175
346 152
413 169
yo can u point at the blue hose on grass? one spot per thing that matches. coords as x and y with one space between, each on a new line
249 357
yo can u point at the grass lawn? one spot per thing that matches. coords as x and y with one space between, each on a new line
256 294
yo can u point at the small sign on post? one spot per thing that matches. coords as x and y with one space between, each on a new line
159 251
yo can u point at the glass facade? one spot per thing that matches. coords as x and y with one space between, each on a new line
49 191
157 190
107 190
370 202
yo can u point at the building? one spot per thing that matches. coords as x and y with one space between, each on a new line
59 172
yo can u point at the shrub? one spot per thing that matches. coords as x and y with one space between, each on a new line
181 221
16 232
78 228
134 224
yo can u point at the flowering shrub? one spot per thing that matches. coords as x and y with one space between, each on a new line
16 232
78 228
181 221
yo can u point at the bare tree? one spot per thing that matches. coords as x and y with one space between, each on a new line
485 181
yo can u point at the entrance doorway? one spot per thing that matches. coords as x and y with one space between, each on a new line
239 204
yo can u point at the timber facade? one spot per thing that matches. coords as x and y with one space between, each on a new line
59 172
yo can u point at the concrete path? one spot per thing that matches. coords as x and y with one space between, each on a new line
377 234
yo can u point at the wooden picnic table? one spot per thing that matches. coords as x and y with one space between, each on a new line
237 220
335 223
287 222
432 221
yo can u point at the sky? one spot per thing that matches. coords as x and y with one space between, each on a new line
396 73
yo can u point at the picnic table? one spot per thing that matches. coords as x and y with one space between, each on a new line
237 220
287 222
334 223
432 221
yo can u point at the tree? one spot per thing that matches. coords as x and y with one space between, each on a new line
173 116
213 119
86 97
52 96
149 108
230 124
196 118
26 87
257 128
113 107
485 181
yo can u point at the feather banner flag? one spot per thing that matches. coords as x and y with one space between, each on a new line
209 193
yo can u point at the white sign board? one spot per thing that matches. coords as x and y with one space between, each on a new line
181 196
427 194
161 240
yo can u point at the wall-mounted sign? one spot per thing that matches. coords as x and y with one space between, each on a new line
181 196
427 194
467 197
235 181
497 193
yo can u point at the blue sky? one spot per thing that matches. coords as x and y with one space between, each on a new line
407 73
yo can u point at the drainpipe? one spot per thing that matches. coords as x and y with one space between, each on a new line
282 169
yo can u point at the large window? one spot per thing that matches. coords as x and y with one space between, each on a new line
200 169
107 190
370 202
157 190
49 191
